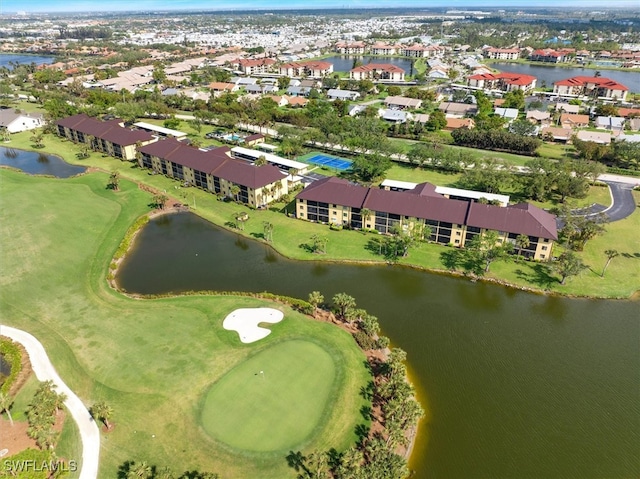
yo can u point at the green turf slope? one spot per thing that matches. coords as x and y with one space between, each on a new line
154 361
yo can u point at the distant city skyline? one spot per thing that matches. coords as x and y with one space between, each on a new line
38 6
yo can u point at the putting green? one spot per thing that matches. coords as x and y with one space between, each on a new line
272 401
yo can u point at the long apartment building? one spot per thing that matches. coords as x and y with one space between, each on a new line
502 81
215 170
109 137
313 69
377 71
598 86
452 221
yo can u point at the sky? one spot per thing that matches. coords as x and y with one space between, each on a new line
32 6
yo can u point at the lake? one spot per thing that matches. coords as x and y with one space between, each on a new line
5 59
550 73
36 163
344 63
517 385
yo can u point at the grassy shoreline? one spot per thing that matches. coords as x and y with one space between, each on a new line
622 280
140 356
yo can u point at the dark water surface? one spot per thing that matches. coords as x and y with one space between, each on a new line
36 163
517 385
550 74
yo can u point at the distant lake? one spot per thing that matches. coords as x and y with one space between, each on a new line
344 63
550 73
24 59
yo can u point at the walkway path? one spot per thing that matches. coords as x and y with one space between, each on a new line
45 371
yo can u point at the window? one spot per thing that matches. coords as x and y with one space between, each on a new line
457 241
301 215
543 256
458 233
544 248
344 213
546 240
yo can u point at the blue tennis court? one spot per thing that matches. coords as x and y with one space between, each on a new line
330 161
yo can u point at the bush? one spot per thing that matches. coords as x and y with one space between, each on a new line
126 241
364 340
13 356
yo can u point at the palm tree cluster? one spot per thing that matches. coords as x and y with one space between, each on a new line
375 456
142 470
42 413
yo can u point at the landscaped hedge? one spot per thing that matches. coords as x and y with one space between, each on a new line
500 140
622 171
13 356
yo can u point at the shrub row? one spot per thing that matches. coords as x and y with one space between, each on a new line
13 356
622 171
126 241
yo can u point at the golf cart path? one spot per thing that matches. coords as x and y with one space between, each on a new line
45 371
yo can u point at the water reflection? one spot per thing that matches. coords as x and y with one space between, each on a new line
506 372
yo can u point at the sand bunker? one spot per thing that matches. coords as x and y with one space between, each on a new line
245 322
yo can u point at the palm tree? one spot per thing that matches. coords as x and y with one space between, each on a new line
268 230
114 181
611 253
315 299
234 190
522 242
344 303
102 412
365 213
139 471
262 160
5 405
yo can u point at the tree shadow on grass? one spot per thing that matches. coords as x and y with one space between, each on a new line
258 235
366 413
307 247
295 460
362 432
539 275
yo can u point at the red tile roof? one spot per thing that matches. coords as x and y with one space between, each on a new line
214 162
600 82
509 78
386 67
110 130
424 203
523 218
335 190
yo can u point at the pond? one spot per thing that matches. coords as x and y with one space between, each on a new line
517 385
550 73
344 63
36 163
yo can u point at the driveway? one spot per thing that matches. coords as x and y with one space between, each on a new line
45 371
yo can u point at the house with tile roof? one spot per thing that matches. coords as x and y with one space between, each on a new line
313 69
350 48
502 53
571 120
17 122
450 221
599 87
377 71
502 81
250 66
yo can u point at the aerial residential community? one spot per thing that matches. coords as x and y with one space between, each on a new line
340 243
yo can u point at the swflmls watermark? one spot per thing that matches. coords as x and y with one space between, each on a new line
32 465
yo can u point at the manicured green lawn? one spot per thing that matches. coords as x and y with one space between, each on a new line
153 361
274 400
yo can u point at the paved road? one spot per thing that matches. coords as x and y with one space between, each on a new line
45 371
624 203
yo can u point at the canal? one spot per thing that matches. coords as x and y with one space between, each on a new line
517 385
